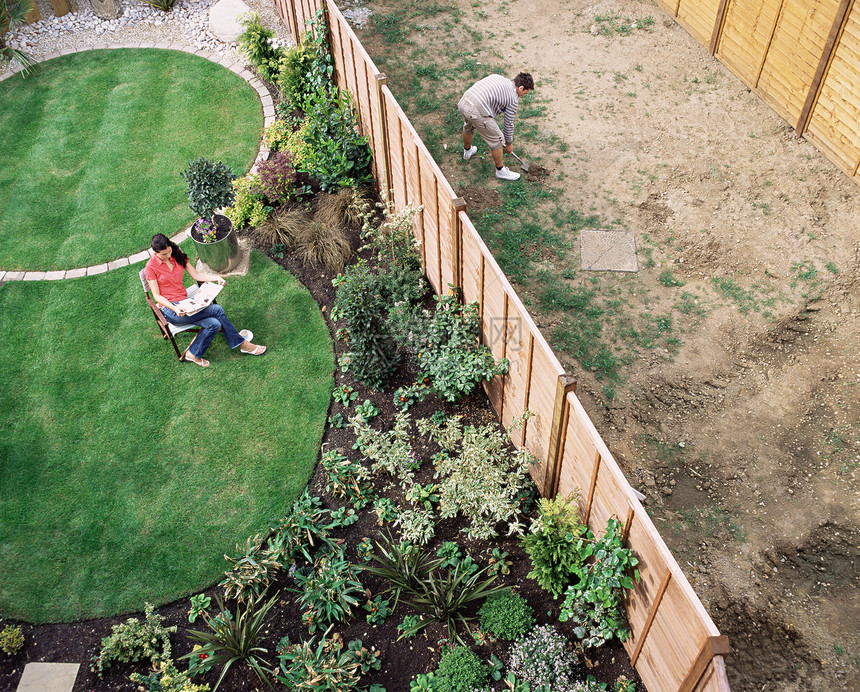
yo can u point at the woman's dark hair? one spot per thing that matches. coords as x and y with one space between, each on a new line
161 242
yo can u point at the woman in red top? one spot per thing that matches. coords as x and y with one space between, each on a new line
164 272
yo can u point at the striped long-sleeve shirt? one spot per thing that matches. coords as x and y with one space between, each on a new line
493 95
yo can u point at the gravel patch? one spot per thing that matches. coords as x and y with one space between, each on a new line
187 23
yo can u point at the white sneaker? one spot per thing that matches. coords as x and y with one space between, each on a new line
506 173
469 153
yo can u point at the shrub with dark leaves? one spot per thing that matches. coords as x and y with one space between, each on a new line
277 178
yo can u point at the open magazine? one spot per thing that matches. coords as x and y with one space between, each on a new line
202 298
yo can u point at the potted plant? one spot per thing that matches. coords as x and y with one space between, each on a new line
210 187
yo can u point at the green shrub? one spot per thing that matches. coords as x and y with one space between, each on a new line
324 667
373 357
337 156
166 678
329 592
11 640
594 602
295 67
209 185
247 208
450 354
506 615
557 536
305 530
253 570
256 43
134 640
545 659
460 670
277 134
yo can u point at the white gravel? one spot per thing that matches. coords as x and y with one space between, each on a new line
186 23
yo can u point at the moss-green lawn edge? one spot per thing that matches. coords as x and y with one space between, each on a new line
92 145
126 474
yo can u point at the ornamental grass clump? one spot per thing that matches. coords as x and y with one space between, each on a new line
323 245
546 660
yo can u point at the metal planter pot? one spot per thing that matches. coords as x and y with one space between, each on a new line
221 255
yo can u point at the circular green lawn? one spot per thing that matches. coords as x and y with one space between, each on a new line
127 475
91 147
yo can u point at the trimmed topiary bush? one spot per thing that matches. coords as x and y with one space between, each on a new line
506 615
460 670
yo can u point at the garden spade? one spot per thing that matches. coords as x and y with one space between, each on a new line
523 164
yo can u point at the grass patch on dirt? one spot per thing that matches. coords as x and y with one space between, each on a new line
126 473
92 145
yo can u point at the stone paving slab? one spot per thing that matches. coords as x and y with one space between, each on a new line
55 275
48 677
613 251
76 273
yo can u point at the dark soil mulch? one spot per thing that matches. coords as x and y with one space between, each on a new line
401 660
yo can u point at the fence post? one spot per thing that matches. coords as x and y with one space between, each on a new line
713 646
565 384
381 81
458 205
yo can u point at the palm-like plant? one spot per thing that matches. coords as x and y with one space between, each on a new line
232 639
12 16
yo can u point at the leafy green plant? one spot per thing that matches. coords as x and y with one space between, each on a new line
377 610
277 134
460 670
247 208
506 615
330 591
277 178
347 479
210 186
423 682
296 64
417 525
499 563
303 531
166 678
480 476
385 510
11 640
409 626
344 395
253 570
163 5
390 450
134 640
404 397
424 495
450 354
199 604
256 44
366 410
325 667
373 358
233 638
594 603
555 543
544 659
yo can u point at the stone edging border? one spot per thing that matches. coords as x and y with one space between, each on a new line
266 101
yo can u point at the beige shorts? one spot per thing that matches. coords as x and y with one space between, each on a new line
484 125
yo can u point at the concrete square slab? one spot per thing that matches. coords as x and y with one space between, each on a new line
613 251
55 275
48 677
76 273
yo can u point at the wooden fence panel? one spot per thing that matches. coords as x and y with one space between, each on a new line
698 17
794 53
835 123
745 36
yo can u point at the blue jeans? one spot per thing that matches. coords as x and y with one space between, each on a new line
212 320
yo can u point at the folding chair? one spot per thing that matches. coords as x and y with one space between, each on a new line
168 331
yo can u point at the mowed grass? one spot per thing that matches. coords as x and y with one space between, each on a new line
92 145
126 475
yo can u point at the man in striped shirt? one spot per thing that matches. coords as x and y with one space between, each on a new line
482 104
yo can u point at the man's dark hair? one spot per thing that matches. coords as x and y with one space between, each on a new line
524 79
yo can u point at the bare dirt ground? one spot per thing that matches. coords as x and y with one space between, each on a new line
747 441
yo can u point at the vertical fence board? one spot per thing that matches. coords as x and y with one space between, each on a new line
744 38
698 17
835 121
